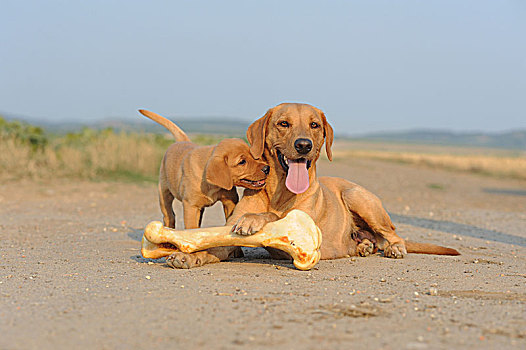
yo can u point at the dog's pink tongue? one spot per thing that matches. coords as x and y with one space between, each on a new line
298 177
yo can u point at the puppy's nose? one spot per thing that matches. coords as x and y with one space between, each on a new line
303 146
265 169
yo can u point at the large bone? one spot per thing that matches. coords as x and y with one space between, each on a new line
296 234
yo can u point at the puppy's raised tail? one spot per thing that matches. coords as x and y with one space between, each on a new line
426 248
178 134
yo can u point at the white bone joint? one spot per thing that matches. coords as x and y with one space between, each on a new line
296 234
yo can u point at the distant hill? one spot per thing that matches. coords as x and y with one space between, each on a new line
223 126
515 139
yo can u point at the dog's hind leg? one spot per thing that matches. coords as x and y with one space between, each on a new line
368 208
366 242
166 199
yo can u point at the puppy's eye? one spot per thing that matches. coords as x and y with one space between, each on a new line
284 124
242 162
314 125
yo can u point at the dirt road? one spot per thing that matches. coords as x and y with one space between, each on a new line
71 275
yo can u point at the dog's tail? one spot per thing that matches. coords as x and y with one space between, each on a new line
427 248
179 134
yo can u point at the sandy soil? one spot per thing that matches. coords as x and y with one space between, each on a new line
71 275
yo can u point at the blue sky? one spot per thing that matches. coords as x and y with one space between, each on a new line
370 65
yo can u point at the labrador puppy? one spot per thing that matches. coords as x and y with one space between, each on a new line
199 176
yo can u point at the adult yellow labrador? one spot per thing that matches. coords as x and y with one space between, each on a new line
290 137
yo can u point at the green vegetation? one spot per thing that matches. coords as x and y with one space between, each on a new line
32 136
27 151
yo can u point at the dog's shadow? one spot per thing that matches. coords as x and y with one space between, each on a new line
461 229
506 191
135 233
262 256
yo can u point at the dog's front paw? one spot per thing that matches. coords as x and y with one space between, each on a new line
249 224
180 260
395 251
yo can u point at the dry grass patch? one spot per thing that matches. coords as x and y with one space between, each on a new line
108 155
501 163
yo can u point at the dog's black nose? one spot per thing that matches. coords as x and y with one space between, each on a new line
265 169
303 146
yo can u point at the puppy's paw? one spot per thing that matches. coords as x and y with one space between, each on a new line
395 251
366 247
180 260
249 224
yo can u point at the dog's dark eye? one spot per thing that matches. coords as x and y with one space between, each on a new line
284 124
314 125
241 162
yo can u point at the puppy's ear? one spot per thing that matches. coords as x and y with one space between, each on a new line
256 134
217 171
329 136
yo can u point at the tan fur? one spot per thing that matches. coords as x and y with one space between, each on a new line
339 207
199 176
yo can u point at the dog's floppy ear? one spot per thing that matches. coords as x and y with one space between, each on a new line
217 171
256 134
329 136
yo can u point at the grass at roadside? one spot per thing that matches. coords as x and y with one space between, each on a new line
493 162
29 152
